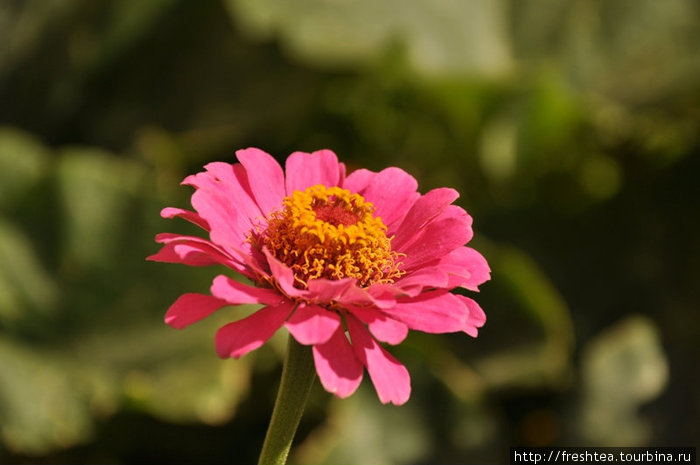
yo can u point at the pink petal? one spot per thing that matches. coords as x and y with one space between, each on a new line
424 278
393 192
383 294
283 276
190 308
253 259
358 180
194 254
445 233
240 337
377 295
425 209
188 254
326 290
224 199
476 318
337 365
381 326
265 176
389 376
431 312
165 238
237 293
304 170
311 324
192 217
467 268
193 251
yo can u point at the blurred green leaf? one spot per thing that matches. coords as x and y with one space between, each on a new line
622 368
547 120
173 375
26 287
601 176
23 163
41 406
449 36
96 190
97 346
546 359
361 430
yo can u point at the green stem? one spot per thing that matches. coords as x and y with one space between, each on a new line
298 376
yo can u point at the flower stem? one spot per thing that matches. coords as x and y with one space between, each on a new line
298 376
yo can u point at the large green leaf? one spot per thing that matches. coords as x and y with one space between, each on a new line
623 368
81 327
26 287
23 163
446 36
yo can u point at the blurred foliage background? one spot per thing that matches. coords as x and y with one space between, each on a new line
570 128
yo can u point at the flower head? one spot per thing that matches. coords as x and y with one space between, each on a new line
345 263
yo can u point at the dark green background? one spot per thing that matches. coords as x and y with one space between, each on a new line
570 129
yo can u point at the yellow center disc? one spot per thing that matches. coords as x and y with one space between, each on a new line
328 232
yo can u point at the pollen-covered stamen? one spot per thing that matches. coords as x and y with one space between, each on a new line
329 232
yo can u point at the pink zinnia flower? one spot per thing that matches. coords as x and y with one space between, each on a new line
344 263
